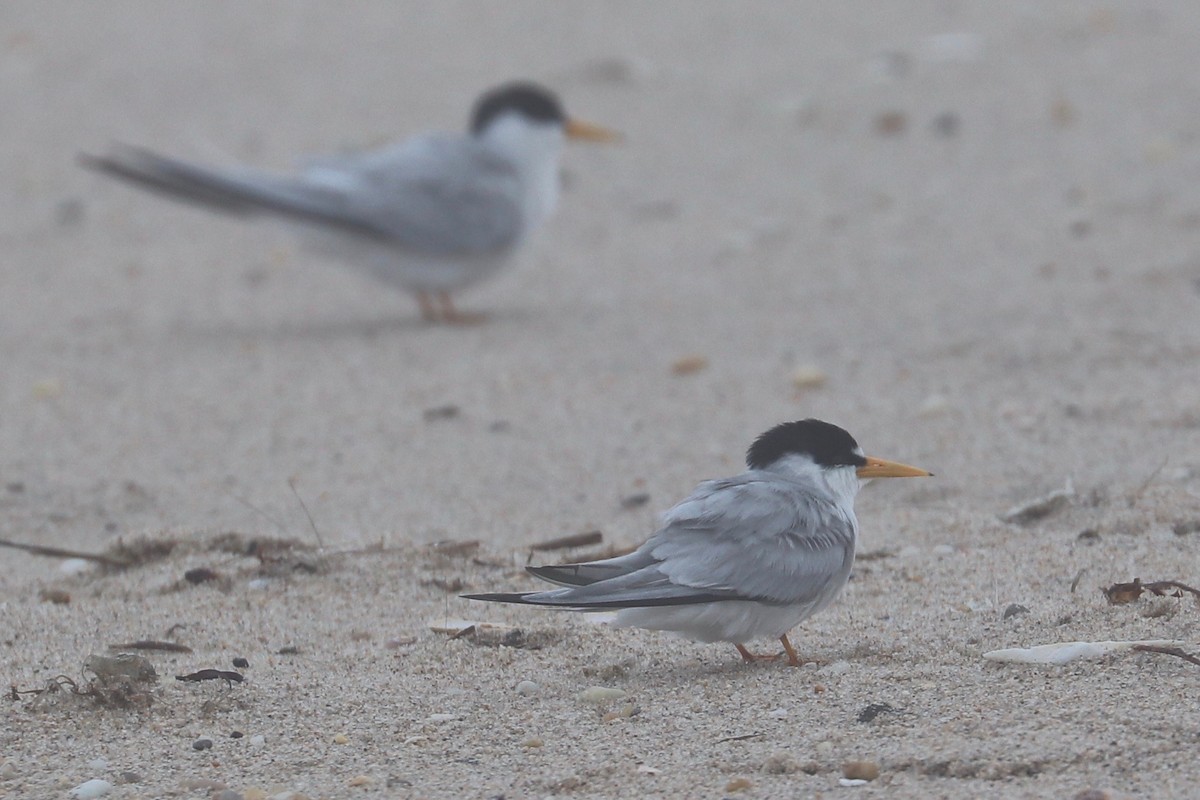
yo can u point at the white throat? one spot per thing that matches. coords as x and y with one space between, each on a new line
534 149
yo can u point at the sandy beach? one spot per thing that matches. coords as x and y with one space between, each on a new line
966 232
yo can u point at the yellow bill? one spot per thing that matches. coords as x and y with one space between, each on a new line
879 468
590 132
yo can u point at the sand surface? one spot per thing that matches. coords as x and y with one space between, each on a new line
976 222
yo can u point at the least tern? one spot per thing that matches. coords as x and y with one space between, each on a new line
431 214
741 558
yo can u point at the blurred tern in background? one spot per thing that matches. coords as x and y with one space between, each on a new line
742 558
430 215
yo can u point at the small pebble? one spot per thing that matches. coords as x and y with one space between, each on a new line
532 742
780 764
946 124
236 734
635 500
689 365
738 785
129 776
258 740
596 695
254 793
200 575
340 738
359 780
202 744
241 663
7 771
1014 610
91 789
98 764
528 688
58 597
74 566
259 584
891 123
809 377
860 770
849 782
777 713
228 794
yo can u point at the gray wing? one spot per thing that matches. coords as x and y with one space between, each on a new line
757 537
442 195
736 539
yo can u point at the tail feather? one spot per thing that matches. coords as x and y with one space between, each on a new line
241 195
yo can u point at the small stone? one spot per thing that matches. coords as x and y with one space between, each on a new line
850 782
258 740
738 785
129 776
123 665
340 738
1185 528
860 770
891 123
448 411
873 710
91 789
7 771
595 695
228 794
809 377
532 742
236 734
258 584
359 780
254 793
635 500
58 597
689 365
933 405
946 124
98 764
1014 610
200 575
778 713
624 712
528 688
74 566
836 668
824 748
202 744
780 764
1095 794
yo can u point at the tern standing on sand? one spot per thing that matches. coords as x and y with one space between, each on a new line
742 558
430 215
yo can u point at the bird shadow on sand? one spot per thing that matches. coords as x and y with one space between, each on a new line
330 328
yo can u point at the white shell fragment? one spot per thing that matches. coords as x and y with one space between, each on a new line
599 694
1066 652
90 789
457 627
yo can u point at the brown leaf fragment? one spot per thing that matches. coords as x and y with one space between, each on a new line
59 597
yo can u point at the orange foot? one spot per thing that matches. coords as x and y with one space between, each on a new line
788 652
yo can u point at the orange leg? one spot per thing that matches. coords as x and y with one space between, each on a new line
452 314
790 652
428 312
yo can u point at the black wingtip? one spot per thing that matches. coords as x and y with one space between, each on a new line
501 597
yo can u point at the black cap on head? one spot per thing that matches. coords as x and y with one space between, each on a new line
528 99
826 444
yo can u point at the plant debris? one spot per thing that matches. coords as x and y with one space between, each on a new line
1061 653
741 738
870 712
229 676
1178 652
58 552
1122 593
58 597
451 547
1041 507
152 644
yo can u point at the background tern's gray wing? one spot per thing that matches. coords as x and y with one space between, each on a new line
758 537
742 538
442 195
438 193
